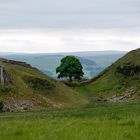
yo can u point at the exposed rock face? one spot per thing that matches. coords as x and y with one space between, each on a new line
18 105
1 75
4 78
127 95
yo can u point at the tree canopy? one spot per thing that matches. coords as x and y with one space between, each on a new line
70 67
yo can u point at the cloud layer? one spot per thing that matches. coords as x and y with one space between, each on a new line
70 13
69 25
40 41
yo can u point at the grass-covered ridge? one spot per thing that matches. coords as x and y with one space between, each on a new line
30 87
122 77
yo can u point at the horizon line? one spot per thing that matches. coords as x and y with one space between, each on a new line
62 52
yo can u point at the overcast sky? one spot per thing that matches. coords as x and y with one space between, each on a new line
69 25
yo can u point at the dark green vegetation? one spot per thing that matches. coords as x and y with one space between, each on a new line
129 69
92 62
1 106
70 67
29 88
94 122
121 78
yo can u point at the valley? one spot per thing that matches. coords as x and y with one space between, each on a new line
93 62
105 106
69 70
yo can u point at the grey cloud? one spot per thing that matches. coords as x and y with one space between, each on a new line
70 13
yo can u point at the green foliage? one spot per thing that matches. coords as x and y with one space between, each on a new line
6 89
39 83
1 105
128 69
70 67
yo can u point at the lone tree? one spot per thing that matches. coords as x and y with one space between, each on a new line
70 67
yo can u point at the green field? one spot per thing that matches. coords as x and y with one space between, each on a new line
95 122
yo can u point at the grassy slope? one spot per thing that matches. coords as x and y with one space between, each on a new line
114 83
99 122
57 95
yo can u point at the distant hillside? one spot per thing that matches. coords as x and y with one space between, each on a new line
26 87
106 59
93 62
94 53
49 63
120 81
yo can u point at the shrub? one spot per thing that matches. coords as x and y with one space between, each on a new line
6 89
128 69
38 83
1 105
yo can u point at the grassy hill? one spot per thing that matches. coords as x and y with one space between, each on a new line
27 88
122 78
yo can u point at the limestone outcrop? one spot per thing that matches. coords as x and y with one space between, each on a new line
4 78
